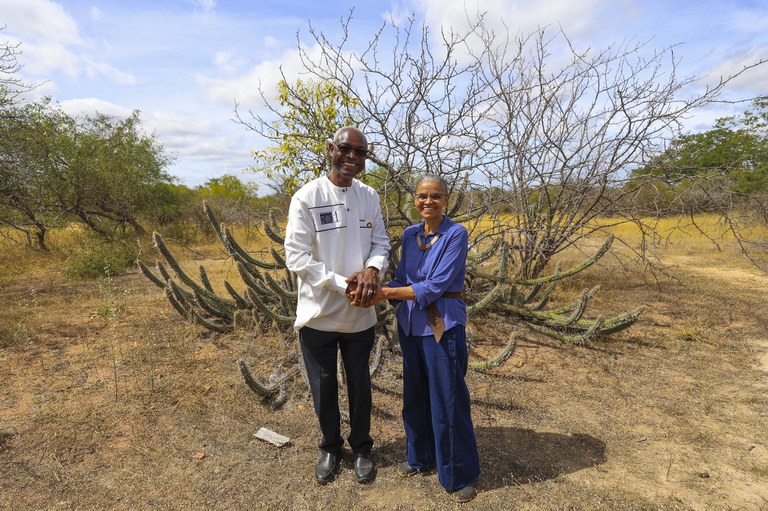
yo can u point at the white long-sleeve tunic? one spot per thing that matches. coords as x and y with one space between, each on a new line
332 233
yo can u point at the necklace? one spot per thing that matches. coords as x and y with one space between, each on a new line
420 238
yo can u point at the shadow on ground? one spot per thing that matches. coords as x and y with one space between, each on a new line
513 455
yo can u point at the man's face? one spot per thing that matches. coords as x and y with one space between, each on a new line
348 154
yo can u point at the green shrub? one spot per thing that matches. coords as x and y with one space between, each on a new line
94 257
183 231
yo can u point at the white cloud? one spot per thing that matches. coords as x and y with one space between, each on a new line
43 58
244 89
205 5
95 13
752 81
398 13
51 42
515 17
39 19
47 33
207 148
90 106
96 69
270 42
749 20
200 140
228 62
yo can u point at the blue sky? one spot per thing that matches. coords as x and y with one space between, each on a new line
184 63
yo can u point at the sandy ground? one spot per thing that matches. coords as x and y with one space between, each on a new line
109 401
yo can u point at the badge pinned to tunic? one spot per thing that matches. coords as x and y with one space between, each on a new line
328 217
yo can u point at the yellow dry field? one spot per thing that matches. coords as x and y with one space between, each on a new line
108 400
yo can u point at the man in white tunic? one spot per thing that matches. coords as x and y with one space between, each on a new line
335 238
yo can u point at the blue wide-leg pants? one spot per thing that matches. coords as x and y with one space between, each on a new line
436 407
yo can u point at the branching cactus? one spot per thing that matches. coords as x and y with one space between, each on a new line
268 295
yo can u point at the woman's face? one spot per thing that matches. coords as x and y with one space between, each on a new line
431 199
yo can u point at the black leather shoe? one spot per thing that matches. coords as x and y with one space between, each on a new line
326 468
364 467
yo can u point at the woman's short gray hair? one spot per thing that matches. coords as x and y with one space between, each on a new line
434 177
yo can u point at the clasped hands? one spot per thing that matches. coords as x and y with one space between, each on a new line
363 288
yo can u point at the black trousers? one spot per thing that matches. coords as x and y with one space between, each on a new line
319 351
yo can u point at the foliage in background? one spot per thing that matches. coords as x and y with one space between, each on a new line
93 256
237 201
106 167
735 152
309 112
723 170
97 170
28 149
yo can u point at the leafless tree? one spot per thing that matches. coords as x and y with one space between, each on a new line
545 132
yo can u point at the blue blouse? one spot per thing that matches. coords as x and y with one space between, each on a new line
432 272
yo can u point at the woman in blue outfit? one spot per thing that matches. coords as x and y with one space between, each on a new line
431 317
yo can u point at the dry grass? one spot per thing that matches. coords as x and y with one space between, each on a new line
109 401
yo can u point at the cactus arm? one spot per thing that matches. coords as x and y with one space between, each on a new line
211 308
397 222
383 313
544 299
252 269
256 299
163 271
376 362
576 314
248 278
574 338
528 298
617 323
176 297
290 281
204 279
216 226
469 216
487 300
278 258
556 276
271 229
454 210
266 390
585 296
273 284
163 249
496 360
239 300
239 253
179 303
183 277
485 254
151 276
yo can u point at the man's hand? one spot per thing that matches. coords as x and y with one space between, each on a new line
364 293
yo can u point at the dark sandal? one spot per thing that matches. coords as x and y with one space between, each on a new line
464 494
406 470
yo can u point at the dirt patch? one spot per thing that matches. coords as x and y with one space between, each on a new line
110 401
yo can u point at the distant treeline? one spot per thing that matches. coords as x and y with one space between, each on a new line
105 173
